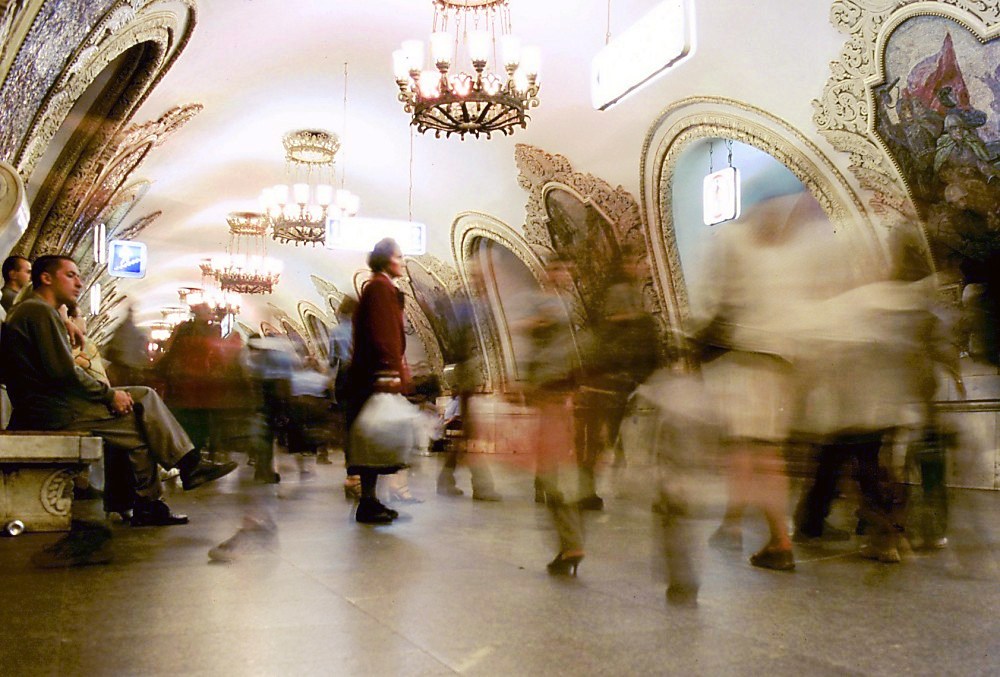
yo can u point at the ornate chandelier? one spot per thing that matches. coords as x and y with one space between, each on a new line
298 211
223 304
457 102
244 268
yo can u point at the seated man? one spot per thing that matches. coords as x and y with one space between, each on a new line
49 392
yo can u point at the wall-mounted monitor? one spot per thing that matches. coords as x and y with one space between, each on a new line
126 258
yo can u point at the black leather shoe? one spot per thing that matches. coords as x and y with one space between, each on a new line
156 514
206 472
372 512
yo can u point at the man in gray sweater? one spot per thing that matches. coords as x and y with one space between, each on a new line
49 392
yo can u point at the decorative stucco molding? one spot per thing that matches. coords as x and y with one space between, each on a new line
93 186
541 174
69 43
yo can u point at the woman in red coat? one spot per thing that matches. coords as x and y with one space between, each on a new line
378 365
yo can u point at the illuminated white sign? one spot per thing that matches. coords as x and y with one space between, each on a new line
645 50
126 258
721 196
95 298
360 234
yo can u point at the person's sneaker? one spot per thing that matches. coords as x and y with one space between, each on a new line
490 496
75 549
206 472
155 514
449 490
592 502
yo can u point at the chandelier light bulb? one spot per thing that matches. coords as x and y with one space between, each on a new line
531 61
400 65
491 84
430 84
324 194
461 84
280 194
520 80
441 48
414 51
479 46
510 49
300 191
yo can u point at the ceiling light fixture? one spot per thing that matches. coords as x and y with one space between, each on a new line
456 102
245 268
297 211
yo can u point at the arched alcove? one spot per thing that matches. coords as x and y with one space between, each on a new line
497 266
701 118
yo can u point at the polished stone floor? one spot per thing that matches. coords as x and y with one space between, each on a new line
460 587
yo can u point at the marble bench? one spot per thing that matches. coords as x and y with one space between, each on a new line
36 477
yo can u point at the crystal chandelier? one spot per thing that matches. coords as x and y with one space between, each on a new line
458 102
298 211
244 268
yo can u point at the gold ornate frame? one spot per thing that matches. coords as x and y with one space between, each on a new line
695 118
541 173
844 114
492 332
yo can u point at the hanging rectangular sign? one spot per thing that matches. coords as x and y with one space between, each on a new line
360 234
126 258
721 196
645 50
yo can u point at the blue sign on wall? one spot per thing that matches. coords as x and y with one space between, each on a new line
126 258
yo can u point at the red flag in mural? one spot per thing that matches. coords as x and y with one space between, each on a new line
936 72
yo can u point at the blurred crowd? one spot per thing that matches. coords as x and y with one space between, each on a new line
797 368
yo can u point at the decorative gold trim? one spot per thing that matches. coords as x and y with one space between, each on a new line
128 24
330 293
844 114
493 334
319 346
94 183
695 118
446 277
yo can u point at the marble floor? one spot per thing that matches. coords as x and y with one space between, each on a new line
457 586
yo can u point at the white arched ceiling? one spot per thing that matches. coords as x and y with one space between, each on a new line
265 67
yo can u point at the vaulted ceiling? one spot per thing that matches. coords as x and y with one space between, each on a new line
261 68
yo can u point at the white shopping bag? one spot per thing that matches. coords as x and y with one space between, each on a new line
385 432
